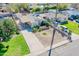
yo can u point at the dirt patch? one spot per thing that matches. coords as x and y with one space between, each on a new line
45 37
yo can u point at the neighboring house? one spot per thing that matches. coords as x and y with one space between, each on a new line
47 15
3 7
30 19
33 20
72 12
75 5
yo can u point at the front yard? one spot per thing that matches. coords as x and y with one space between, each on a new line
73 26
45 37
17 46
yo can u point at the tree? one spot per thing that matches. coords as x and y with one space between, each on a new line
52 7
36 9
62 6
24 6
7 28
1 29
13 8
9 25
45 8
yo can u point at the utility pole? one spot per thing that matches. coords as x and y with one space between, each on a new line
52 42
54 30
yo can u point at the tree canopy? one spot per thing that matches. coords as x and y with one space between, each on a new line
17 7
62 6
7 28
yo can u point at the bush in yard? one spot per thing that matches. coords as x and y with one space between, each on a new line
39 29
35 28
44 33
45 23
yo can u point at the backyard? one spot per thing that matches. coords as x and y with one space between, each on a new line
73 26
17 46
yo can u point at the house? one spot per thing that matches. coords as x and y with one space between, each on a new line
3 7
47 15
33 20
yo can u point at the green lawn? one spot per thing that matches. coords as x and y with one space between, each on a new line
17 46
73 26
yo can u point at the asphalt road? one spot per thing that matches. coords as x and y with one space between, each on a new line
70 49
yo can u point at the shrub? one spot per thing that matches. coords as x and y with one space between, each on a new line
35 28
45 23
44 33
39 29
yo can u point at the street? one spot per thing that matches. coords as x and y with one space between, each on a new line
69 49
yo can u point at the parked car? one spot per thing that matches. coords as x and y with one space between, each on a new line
73 17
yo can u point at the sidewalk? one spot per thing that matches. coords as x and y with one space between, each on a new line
64 47
60 44
69 49
33 43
